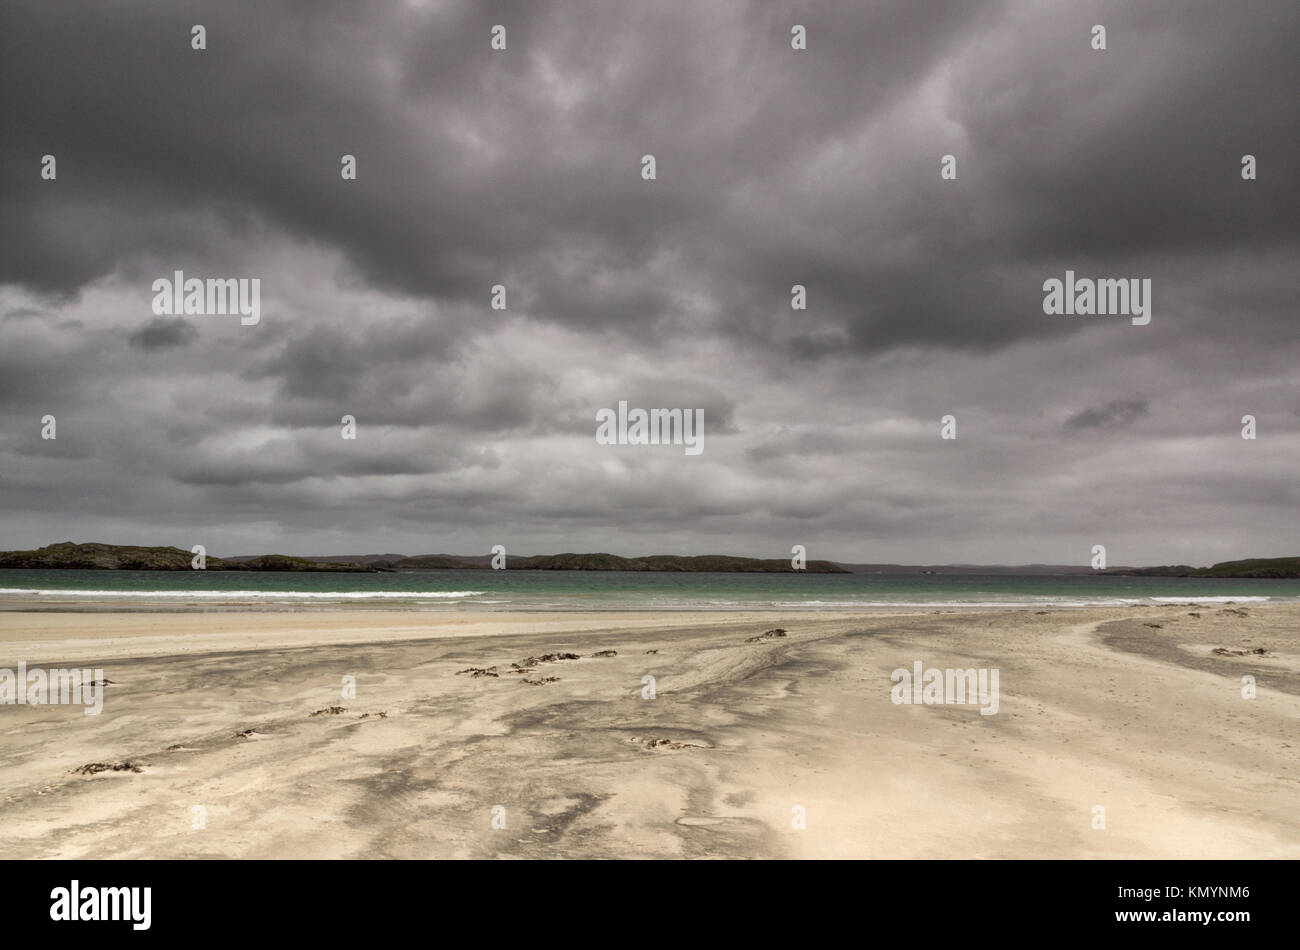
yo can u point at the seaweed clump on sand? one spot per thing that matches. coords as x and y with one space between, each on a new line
94 768
666 744
548 658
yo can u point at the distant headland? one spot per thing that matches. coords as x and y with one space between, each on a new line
116 557
68 555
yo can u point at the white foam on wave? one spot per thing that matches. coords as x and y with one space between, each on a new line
1037 601
250 594
1210 600
1008 604
520 600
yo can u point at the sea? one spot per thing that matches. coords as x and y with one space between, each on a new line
615 590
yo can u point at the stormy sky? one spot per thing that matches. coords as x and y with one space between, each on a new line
774 167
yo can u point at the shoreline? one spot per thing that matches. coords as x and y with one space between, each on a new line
131 604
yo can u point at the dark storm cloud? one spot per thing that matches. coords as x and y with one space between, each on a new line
775 167
25 313
164 332
474 167
1115 414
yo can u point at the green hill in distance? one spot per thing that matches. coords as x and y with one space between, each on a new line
120 557
1275 567
68 555
117 557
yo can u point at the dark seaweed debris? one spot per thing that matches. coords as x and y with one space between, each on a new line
94 768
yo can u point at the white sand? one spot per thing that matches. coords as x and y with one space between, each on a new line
1095 709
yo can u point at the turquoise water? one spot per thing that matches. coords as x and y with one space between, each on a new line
574 590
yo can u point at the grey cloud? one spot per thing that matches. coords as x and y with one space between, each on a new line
164 333
776 167
1114 415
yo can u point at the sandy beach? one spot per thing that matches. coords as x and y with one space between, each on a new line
670 735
